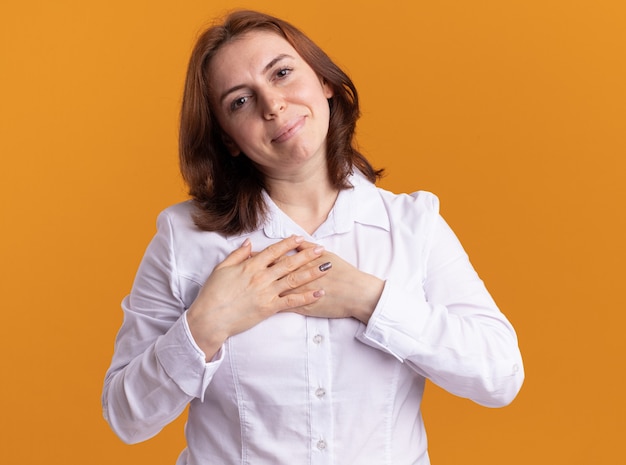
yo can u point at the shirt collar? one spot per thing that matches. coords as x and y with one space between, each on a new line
359 204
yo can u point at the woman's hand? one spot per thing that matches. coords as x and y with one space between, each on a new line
246 289
348 292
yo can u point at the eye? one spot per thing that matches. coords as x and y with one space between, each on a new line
283 72
238 103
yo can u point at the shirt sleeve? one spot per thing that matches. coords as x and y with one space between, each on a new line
450 330
157 368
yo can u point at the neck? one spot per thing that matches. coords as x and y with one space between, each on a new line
307 201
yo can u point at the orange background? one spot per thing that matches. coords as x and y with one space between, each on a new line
513 112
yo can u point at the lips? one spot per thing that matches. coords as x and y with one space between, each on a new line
286 131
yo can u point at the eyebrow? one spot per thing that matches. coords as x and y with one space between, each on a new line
267 67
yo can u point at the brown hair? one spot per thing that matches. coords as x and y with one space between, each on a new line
226 189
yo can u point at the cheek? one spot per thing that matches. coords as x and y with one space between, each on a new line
240 130
317 101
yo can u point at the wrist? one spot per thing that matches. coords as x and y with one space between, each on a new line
369 293
209 341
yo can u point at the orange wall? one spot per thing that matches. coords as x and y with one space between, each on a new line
513 112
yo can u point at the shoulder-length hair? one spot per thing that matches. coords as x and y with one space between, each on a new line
228 190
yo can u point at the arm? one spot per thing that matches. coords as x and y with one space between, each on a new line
165 355
157 369
450 331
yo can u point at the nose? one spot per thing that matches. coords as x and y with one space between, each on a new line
273 103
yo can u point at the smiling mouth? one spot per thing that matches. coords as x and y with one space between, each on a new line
287 131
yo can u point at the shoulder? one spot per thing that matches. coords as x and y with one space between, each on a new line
179 213
415 203
395 203
414 212
177 222
194 252
413 217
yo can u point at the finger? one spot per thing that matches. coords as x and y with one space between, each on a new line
299 260
276 251
325 266
303 246
295 300
307 245
303 276
238 255
324 260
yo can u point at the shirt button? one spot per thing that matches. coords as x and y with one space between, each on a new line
320 392
318 338
321 444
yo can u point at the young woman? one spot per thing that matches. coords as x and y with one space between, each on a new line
293 305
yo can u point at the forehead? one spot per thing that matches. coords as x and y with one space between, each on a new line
250 51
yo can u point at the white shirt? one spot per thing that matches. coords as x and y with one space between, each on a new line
298 390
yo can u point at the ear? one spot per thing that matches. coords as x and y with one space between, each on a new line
327 88
230 144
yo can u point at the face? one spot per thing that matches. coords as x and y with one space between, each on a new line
271 105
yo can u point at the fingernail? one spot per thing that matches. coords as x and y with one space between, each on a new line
325 266
299 239
319 293
319 249
246 243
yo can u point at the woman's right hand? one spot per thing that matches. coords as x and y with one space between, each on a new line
246 289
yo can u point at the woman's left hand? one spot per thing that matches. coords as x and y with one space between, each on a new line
348 292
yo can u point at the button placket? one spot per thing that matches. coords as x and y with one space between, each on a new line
319 374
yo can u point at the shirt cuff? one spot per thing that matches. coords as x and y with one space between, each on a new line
395 326
184 362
